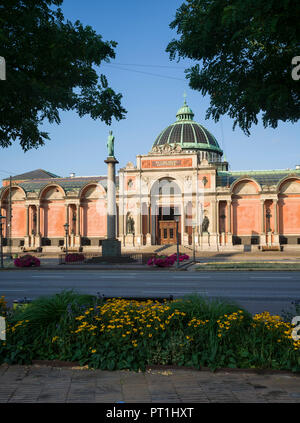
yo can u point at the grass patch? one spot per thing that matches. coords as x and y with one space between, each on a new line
130 334
248 265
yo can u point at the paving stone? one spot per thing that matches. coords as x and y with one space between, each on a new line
108 398
3 369
108 389
46 384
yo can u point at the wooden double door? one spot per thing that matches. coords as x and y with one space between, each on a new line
167 232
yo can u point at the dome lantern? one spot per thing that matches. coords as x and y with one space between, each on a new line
184 113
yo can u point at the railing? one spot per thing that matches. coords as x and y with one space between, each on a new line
96 258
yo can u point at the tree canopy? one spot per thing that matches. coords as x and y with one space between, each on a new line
244 50
50 67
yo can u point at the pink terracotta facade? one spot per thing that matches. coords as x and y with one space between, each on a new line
182 176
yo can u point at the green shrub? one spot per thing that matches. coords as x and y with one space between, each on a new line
205 308
128 334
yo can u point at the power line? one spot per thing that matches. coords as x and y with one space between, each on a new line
148 66
5 171
147 73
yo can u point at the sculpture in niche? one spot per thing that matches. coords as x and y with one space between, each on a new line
130 225
205 224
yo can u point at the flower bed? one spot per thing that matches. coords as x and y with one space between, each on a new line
3 306
128 334
166 261
27 261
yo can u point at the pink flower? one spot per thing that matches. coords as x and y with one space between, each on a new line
27 261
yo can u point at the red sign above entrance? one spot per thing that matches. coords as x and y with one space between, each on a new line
149 164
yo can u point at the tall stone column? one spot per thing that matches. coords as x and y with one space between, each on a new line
111 198
111 246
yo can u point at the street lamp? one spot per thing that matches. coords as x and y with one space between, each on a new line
1 241
66 226
176 218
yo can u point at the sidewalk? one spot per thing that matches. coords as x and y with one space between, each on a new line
40 384
50 263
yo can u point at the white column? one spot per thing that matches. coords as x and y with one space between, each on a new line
111 198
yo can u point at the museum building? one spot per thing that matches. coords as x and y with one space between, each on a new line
182 187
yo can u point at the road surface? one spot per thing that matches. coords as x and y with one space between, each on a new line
256 291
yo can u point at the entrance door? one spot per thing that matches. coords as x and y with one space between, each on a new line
167 231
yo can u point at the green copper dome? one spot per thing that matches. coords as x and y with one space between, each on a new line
190 135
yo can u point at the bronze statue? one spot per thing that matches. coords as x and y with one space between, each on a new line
110 144
205 224
130 225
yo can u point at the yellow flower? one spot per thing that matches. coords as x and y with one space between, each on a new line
93 351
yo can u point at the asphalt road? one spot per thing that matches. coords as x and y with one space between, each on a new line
256 291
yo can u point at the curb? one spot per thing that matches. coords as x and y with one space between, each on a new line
62 267
250 269
157 367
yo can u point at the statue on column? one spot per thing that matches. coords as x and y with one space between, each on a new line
110 144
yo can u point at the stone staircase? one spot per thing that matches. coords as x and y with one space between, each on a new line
171 249
161 249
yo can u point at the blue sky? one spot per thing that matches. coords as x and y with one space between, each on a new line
152 93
